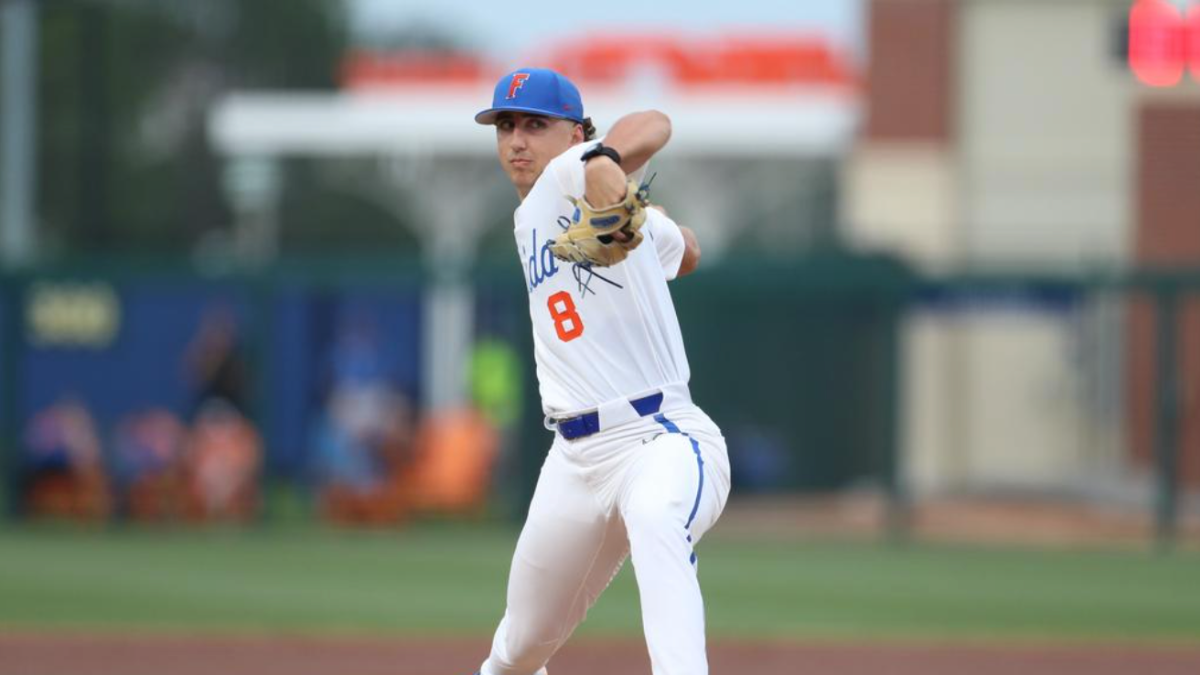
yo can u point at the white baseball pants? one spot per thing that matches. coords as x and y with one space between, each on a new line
648 489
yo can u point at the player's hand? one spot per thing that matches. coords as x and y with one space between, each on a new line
605 182
625 236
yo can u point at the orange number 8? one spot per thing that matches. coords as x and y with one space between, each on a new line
564 315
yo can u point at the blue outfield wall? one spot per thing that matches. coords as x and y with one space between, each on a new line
286 341
143 367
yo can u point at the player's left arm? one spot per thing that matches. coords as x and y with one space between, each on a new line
691 246
691 252
636 137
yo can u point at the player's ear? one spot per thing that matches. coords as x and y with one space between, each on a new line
577 135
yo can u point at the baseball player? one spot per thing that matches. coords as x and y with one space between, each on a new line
635 469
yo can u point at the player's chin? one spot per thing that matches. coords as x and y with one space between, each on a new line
522 177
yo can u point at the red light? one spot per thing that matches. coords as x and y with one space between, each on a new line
1157 42
1193 39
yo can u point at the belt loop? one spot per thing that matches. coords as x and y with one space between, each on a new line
648 405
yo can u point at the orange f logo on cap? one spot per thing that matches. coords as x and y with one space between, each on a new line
518 81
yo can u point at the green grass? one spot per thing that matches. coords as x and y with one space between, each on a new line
450 580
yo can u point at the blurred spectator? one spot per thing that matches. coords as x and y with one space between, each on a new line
223 450
362 441
65 466
456 450
148 447
362 446
452 470
221 464
356 358
214 362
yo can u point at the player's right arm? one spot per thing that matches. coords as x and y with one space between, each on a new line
636 137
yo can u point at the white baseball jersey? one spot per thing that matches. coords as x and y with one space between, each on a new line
603 333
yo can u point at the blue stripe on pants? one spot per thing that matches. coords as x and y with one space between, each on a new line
670 427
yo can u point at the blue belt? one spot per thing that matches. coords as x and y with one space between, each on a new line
589 423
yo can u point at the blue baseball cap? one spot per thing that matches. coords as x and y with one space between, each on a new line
538 91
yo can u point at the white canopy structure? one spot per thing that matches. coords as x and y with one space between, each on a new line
439 121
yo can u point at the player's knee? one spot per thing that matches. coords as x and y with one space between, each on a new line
663 500
654 515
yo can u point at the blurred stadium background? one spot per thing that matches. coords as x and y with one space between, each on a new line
265 364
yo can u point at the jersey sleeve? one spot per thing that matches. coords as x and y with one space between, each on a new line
568 170
667 240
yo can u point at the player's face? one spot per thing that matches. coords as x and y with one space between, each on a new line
527 143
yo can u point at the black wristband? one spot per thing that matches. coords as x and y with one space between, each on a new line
601 149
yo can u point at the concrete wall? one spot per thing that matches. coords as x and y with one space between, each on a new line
1030 166
1045 123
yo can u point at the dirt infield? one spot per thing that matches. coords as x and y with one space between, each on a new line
158 655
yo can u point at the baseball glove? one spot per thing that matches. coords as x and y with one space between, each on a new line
589 239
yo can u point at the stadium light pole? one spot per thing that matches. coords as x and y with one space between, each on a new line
18 131
18 104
